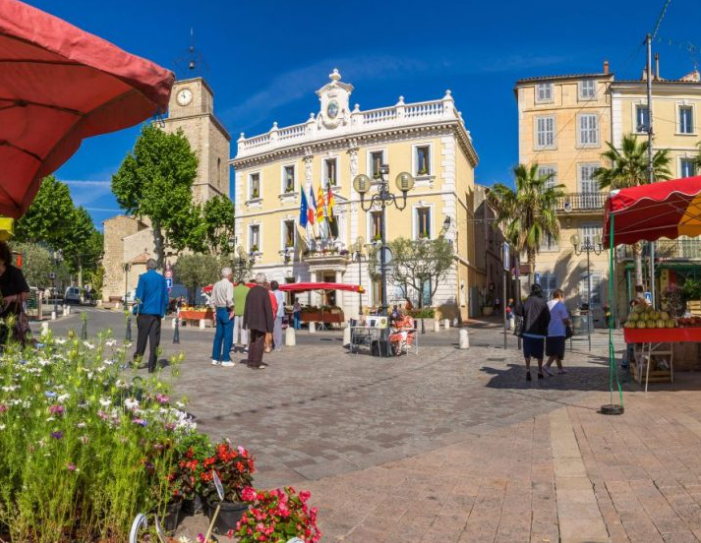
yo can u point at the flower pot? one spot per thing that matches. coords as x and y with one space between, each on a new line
172 518
194 506
229 514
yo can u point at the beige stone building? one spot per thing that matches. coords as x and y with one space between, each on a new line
427 139
565 123
129 240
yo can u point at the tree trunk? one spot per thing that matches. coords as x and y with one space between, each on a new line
158 246
638 258
531 267
80 273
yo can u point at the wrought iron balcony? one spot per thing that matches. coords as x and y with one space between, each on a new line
582 202
679 249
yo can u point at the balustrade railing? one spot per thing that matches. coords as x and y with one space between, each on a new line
666 249
582 201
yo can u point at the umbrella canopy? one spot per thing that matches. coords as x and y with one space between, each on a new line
305 287
59 85
667 209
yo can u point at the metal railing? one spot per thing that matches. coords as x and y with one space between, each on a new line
582 202
667 249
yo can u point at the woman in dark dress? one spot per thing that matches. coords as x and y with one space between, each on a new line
14 291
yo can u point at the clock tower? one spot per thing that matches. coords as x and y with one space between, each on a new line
191 109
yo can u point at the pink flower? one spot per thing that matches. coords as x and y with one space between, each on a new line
304 495
200 538
71 467
3 408
248 494
56 409
162 398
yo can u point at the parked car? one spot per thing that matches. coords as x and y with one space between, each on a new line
73 295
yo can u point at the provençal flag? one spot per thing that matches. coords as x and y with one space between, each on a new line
303 210
333 223
320 205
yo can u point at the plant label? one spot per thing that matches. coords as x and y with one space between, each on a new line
218 485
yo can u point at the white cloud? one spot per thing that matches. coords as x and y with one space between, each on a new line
85 192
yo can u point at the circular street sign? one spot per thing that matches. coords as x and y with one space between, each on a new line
52 275
387 254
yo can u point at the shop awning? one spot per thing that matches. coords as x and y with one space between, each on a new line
666 209
58 86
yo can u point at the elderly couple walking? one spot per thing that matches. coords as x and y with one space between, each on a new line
250 313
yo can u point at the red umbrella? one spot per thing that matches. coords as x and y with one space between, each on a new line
667 209
59 85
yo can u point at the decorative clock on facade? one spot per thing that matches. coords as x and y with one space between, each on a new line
332 110
184 96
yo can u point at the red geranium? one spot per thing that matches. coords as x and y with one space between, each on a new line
234 466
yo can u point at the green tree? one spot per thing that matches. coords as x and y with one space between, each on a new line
195 271
219 223
527 215
37 263
83 248
155 181
416 266
629 168
50 217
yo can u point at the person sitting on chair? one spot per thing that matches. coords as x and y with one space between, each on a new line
401 338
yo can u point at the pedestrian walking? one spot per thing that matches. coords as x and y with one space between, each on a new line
277 325
297 314
258 319
536 318
223 302
15 292
274 308
557 332
150 307
240 332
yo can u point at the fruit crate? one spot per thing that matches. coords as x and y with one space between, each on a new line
639 370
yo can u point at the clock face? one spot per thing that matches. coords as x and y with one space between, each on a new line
332 110
184 97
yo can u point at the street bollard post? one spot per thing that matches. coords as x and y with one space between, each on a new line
464 338
436 325
290 337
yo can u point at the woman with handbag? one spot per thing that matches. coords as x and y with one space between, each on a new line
14 291
559 330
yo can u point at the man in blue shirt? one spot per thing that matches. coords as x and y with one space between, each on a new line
150 308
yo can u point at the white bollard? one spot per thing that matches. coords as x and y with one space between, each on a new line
312 327
290 337
53 315
436 325
203 324
446 324
99 303
44 328
346 336
464 339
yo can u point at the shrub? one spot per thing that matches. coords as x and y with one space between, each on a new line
423 313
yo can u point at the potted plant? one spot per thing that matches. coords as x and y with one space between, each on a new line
278 515
289 189
423 171
191 452
255 193
254 248
234 466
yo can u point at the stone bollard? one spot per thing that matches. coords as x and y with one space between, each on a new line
446 324
99 303
436 325
346 336
203 324
44 328
53 315
290 337
118 307
464 339
312 327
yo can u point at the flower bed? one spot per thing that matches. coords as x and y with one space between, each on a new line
85 446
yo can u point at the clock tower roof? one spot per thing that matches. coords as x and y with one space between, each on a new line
335 83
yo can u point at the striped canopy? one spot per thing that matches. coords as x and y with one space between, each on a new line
667 209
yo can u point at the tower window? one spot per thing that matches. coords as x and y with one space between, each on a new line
289 179
330 172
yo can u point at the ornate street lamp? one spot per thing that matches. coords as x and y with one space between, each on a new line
588 246
384 198
241 263
359 256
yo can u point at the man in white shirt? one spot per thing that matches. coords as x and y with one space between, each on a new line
277 326
557 335
223 302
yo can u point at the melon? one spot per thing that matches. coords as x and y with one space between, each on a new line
671 323
629 324
664 315
651 323
633 317
641 324
661 323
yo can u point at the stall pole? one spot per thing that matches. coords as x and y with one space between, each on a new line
611 408
650 173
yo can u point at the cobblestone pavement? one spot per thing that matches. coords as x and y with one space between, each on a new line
456 446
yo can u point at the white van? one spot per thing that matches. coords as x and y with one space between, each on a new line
73 295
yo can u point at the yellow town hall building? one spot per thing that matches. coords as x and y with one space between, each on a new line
427 139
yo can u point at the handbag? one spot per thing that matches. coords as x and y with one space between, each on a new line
518 327
568 332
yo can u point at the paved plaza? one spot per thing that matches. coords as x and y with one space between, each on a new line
453 445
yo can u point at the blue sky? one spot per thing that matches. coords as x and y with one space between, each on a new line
266 58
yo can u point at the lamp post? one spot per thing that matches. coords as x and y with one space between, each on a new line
58 258
127 333
241 262
359 256
588 246
384 198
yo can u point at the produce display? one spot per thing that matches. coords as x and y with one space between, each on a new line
647 317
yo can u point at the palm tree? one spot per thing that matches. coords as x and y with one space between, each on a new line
527 215
629 168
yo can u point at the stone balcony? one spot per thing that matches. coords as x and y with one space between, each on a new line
582 203
666 249
357 122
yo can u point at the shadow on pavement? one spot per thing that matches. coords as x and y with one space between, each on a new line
577 378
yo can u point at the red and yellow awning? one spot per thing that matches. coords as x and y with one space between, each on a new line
667 209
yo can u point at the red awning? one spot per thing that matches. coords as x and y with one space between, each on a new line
666 209
304 287
58 86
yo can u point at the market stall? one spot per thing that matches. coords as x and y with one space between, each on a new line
322 314
647 213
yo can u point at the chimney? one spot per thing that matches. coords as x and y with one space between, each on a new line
606 67
657 67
